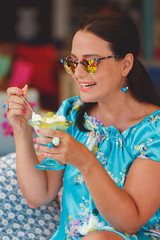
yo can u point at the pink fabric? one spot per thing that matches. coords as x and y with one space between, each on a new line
21 74
43 59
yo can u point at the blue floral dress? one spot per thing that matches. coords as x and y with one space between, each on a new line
116 152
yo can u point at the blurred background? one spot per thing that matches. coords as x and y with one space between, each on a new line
35 34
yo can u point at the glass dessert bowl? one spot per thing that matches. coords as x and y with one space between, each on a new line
50 121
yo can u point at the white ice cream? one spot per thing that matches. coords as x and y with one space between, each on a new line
36 117
54 118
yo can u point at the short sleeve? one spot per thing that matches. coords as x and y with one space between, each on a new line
147 144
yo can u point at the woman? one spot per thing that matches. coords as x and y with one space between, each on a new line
111 154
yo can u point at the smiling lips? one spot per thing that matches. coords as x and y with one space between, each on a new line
86 86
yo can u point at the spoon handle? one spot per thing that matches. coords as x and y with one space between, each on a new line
27 103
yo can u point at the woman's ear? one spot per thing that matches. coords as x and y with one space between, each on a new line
127 64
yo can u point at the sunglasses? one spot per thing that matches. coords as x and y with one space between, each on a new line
89 64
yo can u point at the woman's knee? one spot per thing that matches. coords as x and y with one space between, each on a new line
102 235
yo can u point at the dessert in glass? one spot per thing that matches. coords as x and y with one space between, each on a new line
50 121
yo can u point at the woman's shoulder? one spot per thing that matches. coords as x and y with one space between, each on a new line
147 130
149 125
145 137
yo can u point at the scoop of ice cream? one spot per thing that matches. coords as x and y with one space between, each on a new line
49 118
50 121
55 118
36 117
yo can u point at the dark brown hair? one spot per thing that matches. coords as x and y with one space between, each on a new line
121 33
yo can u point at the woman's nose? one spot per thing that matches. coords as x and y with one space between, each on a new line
80 72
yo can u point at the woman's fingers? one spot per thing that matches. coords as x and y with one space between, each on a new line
15 112
47 147
16 91
49 143
14 99
16 106
15 102
68 151
55 152
52 133
18 112
14 95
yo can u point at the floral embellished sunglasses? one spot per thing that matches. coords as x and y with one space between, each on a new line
89 64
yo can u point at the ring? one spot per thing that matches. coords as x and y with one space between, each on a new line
50 145
56 141
5 107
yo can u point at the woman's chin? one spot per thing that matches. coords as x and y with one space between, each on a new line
86 98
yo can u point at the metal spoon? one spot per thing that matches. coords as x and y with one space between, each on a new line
28 104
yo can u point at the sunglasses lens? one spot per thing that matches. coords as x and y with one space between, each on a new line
69 66
89 65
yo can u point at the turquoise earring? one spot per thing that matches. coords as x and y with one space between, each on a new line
124 89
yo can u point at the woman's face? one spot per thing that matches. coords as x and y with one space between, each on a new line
106 82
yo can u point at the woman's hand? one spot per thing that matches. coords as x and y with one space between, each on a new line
69 150
18 113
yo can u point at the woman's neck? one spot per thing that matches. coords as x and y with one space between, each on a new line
122 114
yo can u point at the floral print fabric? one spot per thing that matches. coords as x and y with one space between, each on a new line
116 152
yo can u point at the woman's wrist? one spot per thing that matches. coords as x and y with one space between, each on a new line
22 132
87 164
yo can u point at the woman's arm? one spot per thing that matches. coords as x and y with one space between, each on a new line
38 186
126 209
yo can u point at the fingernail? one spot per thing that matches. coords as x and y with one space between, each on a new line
35 139
38 131
22 92
41 153
37 147
25 111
